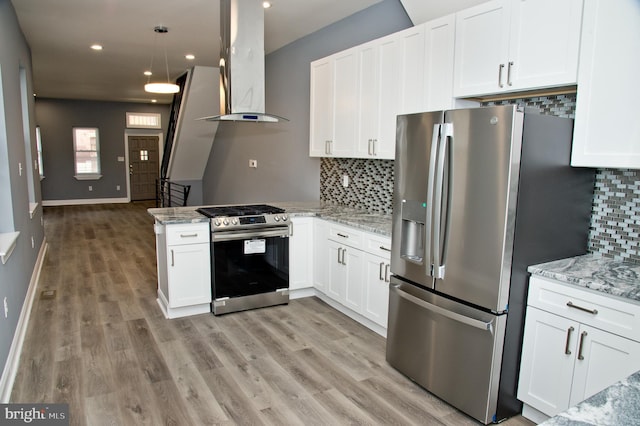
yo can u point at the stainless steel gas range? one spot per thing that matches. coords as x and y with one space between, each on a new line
249 256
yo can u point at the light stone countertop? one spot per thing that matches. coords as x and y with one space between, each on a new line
614 277
360 219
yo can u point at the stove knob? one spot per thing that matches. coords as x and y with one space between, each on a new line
216 222
226 222
234 221
276 218
284 217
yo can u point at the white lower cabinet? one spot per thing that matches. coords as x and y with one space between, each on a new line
184 269
301 253
571 346
321 255
353 269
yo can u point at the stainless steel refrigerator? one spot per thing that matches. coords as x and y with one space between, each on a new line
479 194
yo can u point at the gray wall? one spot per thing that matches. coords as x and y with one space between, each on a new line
285 171
57 118
15 275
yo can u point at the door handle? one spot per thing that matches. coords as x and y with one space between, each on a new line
509 73
172 258
381 276
386 273
582 336
566 344
580 308
343 261
500 68
339 250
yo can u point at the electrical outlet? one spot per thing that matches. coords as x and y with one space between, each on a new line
345 180
90 188
253 164
117 187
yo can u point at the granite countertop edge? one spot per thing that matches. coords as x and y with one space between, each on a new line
593 271
377 223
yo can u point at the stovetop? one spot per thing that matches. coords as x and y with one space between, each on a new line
240 217
240 210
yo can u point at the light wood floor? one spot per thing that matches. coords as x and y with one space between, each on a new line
102 345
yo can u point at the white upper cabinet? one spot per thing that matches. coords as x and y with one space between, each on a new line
515 45
607 129
439 36
333 109
411 73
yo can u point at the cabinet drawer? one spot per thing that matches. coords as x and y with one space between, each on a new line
189 233
345 235
607 313
378 245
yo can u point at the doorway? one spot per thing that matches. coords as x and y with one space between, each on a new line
144 166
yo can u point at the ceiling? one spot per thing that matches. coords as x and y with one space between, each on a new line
61 32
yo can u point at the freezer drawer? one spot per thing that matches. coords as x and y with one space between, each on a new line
450 349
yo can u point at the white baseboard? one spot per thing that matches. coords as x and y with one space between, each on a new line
13 360
48 203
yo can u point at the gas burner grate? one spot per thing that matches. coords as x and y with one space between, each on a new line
240 210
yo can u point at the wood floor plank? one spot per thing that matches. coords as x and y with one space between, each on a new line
146 349
236 405
103 410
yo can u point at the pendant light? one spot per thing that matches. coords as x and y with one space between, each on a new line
161 87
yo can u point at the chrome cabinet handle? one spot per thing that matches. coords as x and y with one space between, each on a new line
500 68
509 73
339 250
343 261
373 146
386 273
369 147
342 235
384 248
582 336
188 235
381 277
172 258
580 308
566 345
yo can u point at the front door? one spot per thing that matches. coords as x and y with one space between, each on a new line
143 167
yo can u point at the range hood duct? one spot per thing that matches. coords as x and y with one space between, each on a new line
242 63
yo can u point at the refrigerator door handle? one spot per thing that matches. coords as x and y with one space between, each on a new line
439 241
488 326
430 202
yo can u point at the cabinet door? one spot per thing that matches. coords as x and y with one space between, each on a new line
544 43
602 359
607 129
337 280
389 98
189 271
548 355
301 253
322 257
354 288
376 289
367 99
411 75
482 46
321 107
345 104
438 63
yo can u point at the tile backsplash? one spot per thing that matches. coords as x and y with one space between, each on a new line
615 217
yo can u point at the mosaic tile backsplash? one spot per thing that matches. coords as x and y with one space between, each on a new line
615 218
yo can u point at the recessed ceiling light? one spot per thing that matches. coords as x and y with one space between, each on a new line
96 47
153 101
148 73
190 57
266 4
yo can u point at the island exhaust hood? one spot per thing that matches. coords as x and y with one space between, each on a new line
242 76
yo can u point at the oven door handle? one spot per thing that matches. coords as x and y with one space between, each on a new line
249 234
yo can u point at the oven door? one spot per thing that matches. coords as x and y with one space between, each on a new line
247 264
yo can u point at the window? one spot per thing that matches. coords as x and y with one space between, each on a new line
86 148
143 120
39 148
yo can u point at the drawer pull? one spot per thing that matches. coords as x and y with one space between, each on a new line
384 248
582 336
188 235
580 308
342 235
566 345
381 267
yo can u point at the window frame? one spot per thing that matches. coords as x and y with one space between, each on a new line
93 175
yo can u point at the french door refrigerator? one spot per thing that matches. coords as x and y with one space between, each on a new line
479 194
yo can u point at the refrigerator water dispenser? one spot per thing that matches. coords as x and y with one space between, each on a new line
412 240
